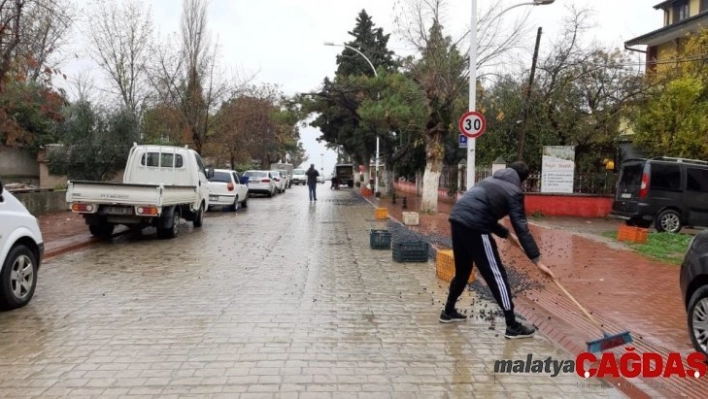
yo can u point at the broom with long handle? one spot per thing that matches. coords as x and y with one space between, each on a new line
609 341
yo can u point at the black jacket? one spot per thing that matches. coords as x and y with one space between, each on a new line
490 200
312 175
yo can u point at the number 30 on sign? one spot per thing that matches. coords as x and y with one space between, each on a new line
472 124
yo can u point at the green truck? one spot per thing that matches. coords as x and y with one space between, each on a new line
344 174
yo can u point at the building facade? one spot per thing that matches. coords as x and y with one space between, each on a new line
663 45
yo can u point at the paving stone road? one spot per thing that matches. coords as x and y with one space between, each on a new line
281 300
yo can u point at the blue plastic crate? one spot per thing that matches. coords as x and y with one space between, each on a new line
411 251
380 239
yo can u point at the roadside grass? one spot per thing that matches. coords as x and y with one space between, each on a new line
667 247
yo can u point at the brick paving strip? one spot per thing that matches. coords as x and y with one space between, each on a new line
625 291
219 313
64 232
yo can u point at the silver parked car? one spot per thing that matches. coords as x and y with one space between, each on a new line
261 182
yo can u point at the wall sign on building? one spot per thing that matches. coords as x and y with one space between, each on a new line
558 169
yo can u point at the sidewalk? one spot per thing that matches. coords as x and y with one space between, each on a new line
64 232
623 289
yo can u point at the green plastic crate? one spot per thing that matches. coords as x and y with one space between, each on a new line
380 239
411 251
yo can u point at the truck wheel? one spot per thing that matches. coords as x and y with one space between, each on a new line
18 278
102 230
199 217
173 230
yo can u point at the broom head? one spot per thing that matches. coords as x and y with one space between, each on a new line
609 342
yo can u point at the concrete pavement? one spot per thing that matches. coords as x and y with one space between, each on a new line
281 300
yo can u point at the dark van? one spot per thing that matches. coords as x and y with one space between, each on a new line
669 192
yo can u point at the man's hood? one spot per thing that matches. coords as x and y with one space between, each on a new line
508 175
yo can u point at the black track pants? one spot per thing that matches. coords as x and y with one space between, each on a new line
471 247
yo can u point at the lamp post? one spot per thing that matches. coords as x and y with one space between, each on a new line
376 179
471 143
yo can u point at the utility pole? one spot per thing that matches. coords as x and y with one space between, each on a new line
522 135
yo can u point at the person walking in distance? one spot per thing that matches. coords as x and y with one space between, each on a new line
473 219
312 175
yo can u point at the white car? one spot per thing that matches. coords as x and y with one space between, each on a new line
225 189
261 182
299 176
286 176
21 252
279 180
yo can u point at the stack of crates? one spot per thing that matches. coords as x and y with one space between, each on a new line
411 251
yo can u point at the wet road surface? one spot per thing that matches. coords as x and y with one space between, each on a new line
281 300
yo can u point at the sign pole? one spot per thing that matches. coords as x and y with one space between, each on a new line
471 142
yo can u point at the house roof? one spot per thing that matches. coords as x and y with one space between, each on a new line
670 32
663 4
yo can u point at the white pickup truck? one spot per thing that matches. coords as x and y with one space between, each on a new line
161 184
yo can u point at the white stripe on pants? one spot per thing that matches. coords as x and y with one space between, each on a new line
497 274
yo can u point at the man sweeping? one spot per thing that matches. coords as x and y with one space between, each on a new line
473 219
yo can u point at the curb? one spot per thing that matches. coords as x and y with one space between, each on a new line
64 249
561 340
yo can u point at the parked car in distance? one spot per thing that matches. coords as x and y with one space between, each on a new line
279 180
260 182
287 171
299 176
21 252
670 193
225 189
285 174
161 185
694 289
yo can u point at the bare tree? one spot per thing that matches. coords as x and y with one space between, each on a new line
121 36
31 32
495 39
189 78
83 87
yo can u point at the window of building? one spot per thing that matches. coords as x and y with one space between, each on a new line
704 6
697 180
681 10
665 177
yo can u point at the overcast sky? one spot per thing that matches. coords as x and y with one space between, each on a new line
281 41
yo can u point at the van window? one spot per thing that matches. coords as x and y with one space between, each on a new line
632 175
665 177
164 160
697 180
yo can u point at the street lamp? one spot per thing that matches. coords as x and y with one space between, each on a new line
376 179
472 143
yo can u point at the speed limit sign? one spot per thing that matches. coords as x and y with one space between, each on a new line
472 124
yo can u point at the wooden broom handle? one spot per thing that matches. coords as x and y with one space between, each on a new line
597 324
